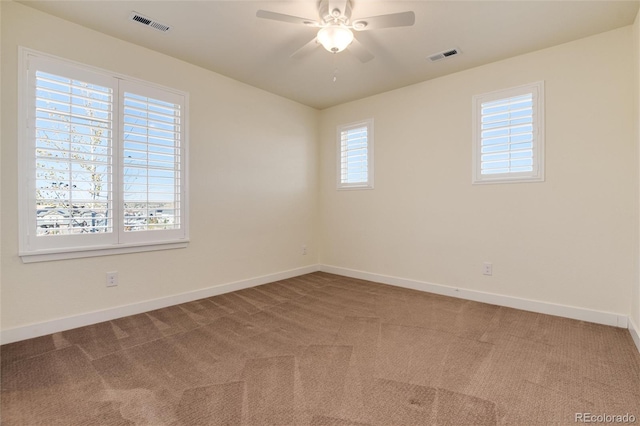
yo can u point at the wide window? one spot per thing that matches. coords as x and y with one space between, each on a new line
508 135
102 162
355 155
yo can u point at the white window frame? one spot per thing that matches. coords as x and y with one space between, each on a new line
37 249
537 174
368 123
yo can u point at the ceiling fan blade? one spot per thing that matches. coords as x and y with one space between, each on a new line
306 49
265 14
360 51
402 19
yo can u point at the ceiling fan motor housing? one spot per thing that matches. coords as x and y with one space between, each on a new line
328 15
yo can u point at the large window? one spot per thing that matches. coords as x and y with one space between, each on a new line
102 162
508 135
355 155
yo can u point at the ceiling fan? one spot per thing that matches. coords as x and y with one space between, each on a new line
335 27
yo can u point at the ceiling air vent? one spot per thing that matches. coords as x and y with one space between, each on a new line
443 55
144 20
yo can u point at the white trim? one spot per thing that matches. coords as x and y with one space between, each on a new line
634 330
28 51
573 312
23 107
80 252
61 324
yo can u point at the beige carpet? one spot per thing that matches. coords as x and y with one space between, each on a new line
323 350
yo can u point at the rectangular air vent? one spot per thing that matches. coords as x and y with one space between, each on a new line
443 55
144 20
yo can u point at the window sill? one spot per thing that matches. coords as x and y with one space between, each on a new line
520 179
354 187
77 253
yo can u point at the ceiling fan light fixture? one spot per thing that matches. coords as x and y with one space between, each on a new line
335 38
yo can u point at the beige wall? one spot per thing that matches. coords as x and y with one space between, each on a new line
254 183
1 196
571 240
253 180
635 312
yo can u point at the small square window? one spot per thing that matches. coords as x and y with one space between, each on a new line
508 135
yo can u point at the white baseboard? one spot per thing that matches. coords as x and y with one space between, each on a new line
68 323
635 333
573 312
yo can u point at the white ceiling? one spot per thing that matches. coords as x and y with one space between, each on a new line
226 37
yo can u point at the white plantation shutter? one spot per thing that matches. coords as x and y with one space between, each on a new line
102 163
355 154
70 129
508 141
507 135
73 126
152 139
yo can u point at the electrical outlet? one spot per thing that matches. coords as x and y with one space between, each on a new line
112 279
304 250
487 268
